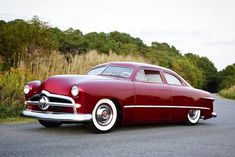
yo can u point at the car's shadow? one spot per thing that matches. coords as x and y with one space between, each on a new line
64 129
80 129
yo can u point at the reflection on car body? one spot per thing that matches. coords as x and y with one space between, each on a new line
117 92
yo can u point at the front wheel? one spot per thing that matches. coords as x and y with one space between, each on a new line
104 116
193 117
49 124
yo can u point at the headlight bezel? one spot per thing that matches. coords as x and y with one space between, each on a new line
26 89
75 90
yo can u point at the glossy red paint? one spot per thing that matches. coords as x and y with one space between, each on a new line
35 88
138 102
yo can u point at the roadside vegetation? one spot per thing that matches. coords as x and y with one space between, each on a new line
13 80
228 92
226 77
33 49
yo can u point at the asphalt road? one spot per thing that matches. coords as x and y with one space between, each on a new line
214 137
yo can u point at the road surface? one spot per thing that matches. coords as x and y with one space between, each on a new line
210 138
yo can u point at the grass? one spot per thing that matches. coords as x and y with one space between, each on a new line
14 120
228 93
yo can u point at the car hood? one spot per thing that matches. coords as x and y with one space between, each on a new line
62 84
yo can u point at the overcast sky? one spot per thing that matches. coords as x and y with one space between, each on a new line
204 27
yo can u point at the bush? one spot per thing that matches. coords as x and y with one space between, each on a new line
12 98
228 93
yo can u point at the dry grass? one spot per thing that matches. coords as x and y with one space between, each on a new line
13 81
79 64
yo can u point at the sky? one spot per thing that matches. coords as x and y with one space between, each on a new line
203 27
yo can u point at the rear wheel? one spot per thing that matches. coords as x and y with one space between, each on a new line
193 116
49 124
104 116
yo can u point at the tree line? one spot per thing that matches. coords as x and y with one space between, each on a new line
24 41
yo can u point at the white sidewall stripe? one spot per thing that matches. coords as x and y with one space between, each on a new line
114 118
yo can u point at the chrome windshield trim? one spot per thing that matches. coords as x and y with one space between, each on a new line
165 106
57 116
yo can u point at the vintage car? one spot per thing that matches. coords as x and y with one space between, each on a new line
117 93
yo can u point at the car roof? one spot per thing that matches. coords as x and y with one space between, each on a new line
134 64
138 64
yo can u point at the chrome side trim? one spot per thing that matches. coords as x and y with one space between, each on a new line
57 117
165 106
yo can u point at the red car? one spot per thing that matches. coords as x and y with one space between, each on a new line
117 92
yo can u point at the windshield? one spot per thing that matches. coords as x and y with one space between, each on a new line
119 71
96 71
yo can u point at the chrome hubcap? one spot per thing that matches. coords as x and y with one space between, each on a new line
193 114
104 114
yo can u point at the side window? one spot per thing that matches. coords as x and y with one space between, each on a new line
171 79
149 76
141 76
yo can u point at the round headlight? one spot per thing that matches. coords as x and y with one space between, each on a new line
75 90
26 89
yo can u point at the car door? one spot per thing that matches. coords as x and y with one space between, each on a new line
180 94
152 94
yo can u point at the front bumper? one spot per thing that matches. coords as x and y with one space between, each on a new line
63 117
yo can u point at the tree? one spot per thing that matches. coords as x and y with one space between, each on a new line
209 71
188 71
125 44
39 37
20 40
11 42
226 77
70 41
162 54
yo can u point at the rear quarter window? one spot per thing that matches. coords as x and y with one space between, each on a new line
171 79
149 76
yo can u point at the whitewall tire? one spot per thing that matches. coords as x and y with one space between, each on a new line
104 116
193 116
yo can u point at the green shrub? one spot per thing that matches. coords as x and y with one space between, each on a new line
11 86
228 92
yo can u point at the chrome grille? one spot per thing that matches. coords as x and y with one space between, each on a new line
51 99
60 100
35 98
55 102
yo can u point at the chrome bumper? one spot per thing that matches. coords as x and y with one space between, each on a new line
64 117
214 115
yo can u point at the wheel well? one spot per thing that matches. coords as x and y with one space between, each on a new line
202 113
119 110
